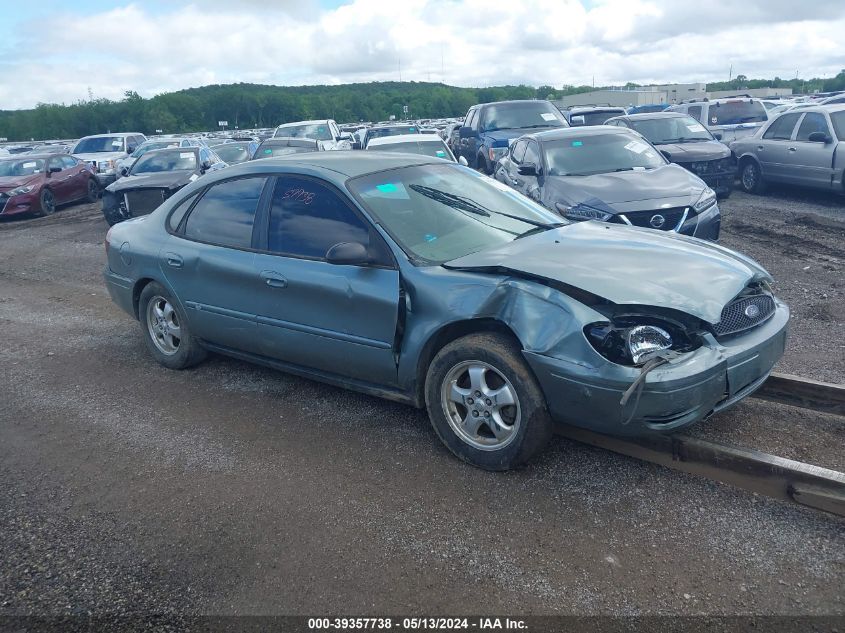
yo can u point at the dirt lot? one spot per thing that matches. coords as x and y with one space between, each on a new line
232 489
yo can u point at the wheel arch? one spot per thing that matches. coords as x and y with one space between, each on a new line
451 332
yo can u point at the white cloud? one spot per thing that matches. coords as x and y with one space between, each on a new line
470 43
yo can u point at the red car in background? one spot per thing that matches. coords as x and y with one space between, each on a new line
38 183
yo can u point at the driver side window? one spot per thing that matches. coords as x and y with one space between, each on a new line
308 218
532 154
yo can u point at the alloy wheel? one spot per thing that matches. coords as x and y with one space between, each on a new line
163 325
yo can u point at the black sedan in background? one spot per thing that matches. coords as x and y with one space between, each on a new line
155 177
236 152
610 174
283 146
684 141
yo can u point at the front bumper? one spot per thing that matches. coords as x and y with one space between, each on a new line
23 203
105 179
712 378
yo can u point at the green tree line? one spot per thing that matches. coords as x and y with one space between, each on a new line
254 105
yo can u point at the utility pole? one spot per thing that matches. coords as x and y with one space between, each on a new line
399 59
731 73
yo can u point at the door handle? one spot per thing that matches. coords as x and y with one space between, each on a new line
791 149
759 148
173 260
274 279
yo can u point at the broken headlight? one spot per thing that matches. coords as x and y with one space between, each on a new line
632 343
580 212
706 200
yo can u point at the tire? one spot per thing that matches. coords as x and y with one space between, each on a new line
483 165
46 202
750 178
166 330
93 190
490 364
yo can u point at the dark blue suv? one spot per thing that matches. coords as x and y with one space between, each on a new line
488 128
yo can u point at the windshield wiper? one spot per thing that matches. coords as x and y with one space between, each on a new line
465 204
540 229
623 169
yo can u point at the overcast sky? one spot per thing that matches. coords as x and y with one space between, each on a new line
54 51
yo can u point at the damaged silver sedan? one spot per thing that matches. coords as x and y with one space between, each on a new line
424 282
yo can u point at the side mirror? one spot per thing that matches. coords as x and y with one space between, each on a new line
206 165
527 169
124 171
130 149
578 119
344 136
465 132
54 170
348 254
717 136
463 161
666 154
819 137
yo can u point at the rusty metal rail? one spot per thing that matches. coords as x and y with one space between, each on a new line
770 475
804 393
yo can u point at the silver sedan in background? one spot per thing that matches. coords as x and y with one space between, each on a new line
799 147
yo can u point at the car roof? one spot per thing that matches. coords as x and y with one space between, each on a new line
405 138
580 109
584 130
113 134
644 116
311 122
336 166
509 101
43 156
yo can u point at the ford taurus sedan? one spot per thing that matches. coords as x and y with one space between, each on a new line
422 281
611 174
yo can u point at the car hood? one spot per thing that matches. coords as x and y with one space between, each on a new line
689 152
169 179
100 156
509 134
670 185
627 265
13 182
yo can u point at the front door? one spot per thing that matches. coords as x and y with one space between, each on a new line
812 162
339 319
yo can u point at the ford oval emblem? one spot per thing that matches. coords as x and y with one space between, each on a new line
752 311
657 221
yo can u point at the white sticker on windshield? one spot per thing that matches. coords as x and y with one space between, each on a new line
695 127
28 165
637 147
186 154
548 116
193 177
649 154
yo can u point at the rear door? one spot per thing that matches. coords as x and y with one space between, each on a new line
812 162
78 176
332 318
208 260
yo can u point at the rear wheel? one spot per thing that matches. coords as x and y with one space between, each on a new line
47 201
751 178
485 404
166 330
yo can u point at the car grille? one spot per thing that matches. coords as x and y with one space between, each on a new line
744 313
706 167
143 201
661 219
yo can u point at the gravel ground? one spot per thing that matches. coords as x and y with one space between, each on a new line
230 489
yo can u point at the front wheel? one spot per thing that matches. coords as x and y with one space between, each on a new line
92 192
166 330
751 178
47 201
485 404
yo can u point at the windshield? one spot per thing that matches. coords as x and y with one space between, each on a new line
232 153
15 168
439 212
165 161
672 130
99 144
146 147
379 132
317 131
597 118
435 150
600 154
520 115
268 151
735 112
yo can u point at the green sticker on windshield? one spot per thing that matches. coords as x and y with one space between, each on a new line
388 187
268 151
441 153
577 143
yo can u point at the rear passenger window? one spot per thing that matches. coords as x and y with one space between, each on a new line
225 213
518 151
695 112
307 219
781 128
179 212
68 162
